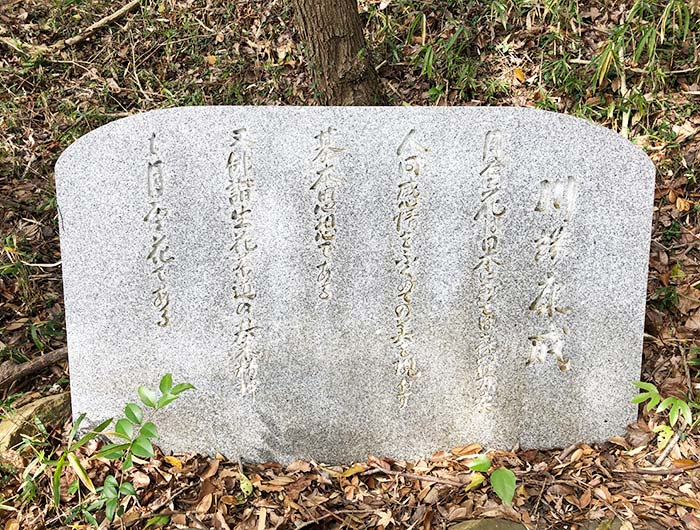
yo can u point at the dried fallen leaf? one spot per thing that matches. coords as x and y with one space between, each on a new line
13 459
463 450
603 494
683 205
204 505
688 299
384 518
281 481
262 517
140 480
174 461
686 501
694 321
684 131
211 470
354 470
585 499
691 521
683 462
299 465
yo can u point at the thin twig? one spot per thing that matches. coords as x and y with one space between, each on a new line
568 451
42 265
661 472
330 514
40 49
669 447
153 509
414 476
87 32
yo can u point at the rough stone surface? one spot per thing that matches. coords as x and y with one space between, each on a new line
344 281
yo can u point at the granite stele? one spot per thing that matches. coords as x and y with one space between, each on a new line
343 281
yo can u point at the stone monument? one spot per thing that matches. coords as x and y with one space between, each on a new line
342 281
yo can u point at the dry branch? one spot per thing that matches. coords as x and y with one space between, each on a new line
10 371
40 49
84 34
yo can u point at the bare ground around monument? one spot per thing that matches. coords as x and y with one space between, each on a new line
634 70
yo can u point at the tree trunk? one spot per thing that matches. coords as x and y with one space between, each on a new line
342 70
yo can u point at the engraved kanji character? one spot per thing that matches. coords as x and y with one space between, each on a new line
325 228
409 142
243 245
155 170
560 195
326 201
157 214
159 250
550 343
549 244
547 300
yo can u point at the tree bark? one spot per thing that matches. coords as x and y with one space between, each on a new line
333 34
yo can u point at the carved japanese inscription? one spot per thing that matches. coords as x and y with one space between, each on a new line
240 190
489 215
325 186
159 254
557 198
410 166
345 281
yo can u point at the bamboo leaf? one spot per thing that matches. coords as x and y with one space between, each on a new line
56 482
89 436
80 471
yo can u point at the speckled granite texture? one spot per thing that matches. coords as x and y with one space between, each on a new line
344 281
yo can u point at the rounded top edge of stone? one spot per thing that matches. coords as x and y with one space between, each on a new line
94 134
156 115
625 143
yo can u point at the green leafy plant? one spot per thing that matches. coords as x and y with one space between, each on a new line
136 434
650 395
664 433
502 480
677 407
648 25
666 297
